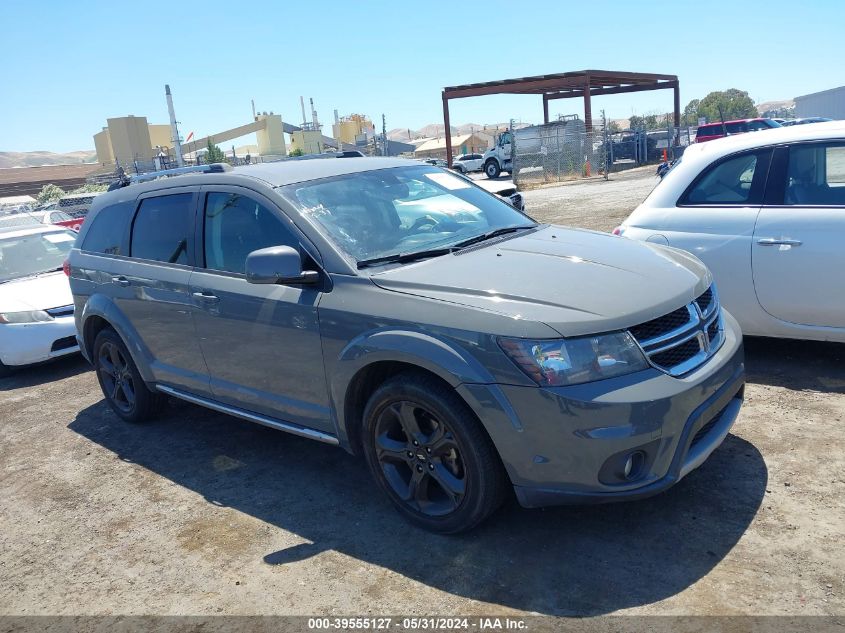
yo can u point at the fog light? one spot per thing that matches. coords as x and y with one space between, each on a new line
633 465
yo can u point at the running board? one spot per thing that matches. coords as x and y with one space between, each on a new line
249 416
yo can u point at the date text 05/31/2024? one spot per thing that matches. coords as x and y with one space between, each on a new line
416 624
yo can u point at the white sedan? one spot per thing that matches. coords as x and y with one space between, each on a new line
36 306
766 213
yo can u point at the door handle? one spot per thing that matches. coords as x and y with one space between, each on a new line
206 297
770 241
121 281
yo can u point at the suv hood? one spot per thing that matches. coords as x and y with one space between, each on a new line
575 281
50 290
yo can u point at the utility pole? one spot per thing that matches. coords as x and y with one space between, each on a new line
384 135
174 129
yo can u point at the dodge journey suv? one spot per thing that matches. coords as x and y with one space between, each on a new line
406 315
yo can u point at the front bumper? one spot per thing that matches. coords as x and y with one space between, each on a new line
561 445
29 343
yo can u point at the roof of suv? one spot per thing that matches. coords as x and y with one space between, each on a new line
287 172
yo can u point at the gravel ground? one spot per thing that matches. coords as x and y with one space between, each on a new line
200 513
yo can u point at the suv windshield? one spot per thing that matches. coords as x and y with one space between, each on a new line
27 255
403 210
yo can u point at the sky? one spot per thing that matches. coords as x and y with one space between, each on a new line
68 66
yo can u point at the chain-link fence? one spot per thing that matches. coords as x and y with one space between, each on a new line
557 151
630 148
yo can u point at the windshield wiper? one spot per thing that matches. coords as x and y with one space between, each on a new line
404 257
491 234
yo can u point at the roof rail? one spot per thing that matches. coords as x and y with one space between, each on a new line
348 153
214 168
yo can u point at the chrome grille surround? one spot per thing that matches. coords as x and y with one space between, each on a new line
688 344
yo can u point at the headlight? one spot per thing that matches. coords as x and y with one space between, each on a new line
33 316
573 361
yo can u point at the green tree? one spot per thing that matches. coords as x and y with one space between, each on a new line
215 154
691 113
90 188
735 104
613 127
49 193
296 152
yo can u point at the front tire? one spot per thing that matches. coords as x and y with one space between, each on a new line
5 370
122 385
430 455
491 169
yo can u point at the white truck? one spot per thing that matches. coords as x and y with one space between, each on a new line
498 158
567 133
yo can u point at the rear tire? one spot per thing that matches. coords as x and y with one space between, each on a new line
430 455
491 169
122 385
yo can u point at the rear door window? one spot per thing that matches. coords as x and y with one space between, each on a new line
737 180
815 175
161 229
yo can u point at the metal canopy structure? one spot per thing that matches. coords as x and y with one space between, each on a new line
581 83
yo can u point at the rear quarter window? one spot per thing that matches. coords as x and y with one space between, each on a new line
107 233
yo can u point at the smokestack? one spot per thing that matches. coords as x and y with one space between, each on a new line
302 105
336 118
314 115
174 130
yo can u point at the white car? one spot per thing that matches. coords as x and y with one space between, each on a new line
467 163
42 216
766 213
36 307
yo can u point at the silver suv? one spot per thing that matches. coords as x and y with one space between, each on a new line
403 313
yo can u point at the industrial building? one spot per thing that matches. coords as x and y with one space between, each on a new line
827 103
130 138
354 129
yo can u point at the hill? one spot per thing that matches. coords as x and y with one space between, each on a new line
41 158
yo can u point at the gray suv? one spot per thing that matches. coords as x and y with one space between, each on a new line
405 314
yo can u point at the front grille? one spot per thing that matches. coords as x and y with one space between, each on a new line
704 300
661 325
683 339
60 311
63 343
677 355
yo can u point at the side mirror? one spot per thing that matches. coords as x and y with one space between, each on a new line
278 265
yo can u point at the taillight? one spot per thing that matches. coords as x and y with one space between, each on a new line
66 267
617 230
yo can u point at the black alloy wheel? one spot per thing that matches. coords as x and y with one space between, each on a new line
116 377
121 382
420 458
431 455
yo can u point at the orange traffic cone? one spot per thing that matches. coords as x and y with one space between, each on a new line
587 168
665 155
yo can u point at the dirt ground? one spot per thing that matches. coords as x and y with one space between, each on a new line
200 513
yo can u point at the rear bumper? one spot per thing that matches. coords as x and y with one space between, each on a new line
30 343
